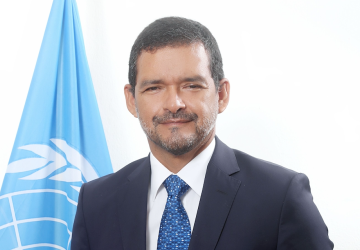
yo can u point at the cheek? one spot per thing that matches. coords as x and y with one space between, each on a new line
203 106
147 109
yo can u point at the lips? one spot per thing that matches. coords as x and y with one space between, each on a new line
175 121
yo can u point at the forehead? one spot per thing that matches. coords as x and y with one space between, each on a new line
173 62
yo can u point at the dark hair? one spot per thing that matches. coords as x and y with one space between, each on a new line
174 32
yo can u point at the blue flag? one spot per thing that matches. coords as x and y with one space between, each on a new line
60 142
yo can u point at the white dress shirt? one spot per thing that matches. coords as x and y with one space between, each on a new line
193 174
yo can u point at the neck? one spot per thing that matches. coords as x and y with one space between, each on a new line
176 162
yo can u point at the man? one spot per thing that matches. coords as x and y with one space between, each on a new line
192 191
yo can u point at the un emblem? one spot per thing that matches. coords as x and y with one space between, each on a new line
39 212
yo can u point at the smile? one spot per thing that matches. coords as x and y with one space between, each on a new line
175 121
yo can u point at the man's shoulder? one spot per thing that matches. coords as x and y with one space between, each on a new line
250 167
261 171
246 160
115 180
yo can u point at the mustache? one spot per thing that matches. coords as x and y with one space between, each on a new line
178 115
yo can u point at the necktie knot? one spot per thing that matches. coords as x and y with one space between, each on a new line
175 186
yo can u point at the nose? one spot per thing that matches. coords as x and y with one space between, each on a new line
173 101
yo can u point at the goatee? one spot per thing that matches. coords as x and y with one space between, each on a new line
177 143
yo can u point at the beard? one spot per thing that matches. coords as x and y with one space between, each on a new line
177 143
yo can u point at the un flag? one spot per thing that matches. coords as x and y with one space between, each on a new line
60 142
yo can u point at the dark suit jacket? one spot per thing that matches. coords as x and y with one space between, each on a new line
246 204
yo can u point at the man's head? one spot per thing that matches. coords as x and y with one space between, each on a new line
176 84
176 32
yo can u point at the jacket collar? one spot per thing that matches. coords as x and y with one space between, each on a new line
133 208
217 198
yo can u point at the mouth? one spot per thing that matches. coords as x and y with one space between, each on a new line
175 121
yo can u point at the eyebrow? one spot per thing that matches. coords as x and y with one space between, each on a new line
149 82
196 78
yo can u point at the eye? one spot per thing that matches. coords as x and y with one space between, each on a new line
152 89
194 86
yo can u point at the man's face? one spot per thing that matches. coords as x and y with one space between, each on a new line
175 97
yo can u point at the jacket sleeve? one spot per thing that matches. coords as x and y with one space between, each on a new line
80 239
301 225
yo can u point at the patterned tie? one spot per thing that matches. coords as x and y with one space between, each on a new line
175 230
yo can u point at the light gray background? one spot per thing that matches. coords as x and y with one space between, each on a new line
294 73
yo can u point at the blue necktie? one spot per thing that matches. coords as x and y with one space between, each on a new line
175 230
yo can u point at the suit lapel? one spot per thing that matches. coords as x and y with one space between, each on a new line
216 199
133 208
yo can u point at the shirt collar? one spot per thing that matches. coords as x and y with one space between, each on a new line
192 173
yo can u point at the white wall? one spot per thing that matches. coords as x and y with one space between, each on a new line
294 69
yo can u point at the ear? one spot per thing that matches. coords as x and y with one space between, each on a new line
224 94
130 100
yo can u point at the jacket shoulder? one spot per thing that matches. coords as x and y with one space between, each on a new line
112 181
264 172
